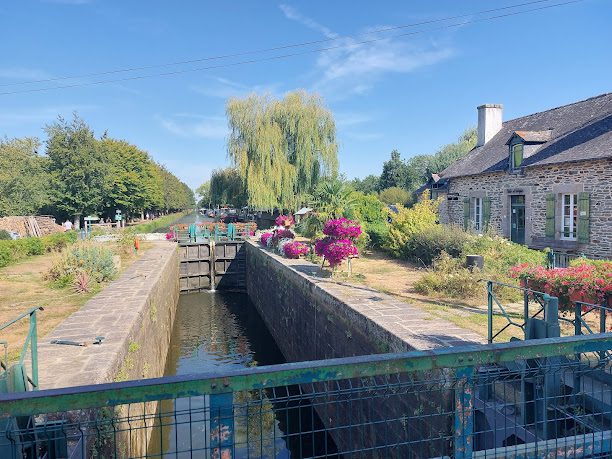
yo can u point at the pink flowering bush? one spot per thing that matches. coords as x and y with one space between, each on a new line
281 234
335 251
342 228
264 238
339 243
170 236
295 249
284 220
586 282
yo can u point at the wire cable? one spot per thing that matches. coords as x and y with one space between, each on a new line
279 57
264 50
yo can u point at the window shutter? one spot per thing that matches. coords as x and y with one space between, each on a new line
466 213
486 212
550 215
584 204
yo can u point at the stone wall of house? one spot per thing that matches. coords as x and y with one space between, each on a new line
594 177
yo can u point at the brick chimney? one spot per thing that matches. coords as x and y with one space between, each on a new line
489 122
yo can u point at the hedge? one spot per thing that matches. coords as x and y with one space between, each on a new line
15 250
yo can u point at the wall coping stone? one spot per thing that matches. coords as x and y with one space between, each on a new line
405 325
115 313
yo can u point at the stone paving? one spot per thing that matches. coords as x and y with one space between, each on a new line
408 323
118 313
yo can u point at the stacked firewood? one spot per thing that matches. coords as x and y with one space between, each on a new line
30 225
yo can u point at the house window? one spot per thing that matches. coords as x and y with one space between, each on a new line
517 155
478 214
569 216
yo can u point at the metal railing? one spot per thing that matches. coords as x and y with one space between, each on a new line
229 232
542 307
15 377
535 305
519 399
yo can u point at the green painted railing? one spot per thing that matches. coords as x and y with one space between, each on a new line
31 342
464 402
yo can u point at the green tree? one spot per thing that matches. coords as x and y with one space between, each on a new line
372 213
76 166
204 192
281 148
134 182
393 173
419 167
395 195
227 188
367 185
24 182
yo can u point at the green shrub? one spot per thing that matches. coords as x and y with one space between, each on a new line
59 241
426 246
407 222
5 235
6 256
450 278
500 254
96 261
32 246
378 232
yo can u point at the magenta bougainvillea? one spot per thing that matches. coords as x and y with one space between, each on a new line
264 238
342 228
335 251
281 234
584 282
339 243
284 220
295 249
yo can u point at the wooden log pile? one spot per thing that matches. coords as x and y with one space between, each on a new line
25 226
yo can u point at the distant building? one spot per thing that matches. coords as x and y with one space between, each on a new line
544 180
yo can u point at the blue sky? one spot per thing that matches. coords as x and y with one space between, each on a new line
413 93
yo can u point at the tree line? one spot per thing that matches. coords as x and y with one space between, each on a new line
283 150
399 178
81 174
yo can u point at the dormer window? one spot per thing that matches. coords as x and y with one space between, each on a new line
516 155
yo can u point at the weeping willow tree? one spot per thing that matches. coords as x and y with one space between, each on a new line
281 148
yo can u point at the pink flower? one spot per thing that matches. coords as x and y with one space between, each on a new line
295 249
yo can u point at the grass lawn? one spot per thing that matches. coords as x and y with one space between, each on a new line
397 277
22 287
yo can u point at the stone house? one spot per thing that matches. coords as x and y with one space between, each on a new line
543 180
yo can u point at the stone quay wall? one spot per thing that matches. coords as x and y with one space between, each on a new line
135 314
593 177
313 318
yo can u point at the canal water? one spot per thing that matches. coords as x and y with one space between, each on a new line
218 332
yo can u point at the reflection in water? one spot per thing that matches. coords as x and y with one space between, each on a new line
221 331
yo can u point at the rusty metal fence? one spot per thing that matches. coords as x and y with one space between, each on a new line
537 398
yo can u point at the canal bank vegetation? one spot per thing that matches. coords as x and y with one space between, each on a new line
54 280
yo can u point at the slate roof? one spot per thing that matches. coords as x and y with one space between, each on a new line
534 136
578 132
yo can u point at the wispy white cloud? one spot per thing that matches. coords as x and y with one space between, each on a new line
23 73
347 119
41 115
194 125
356 65
224 88
295 15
